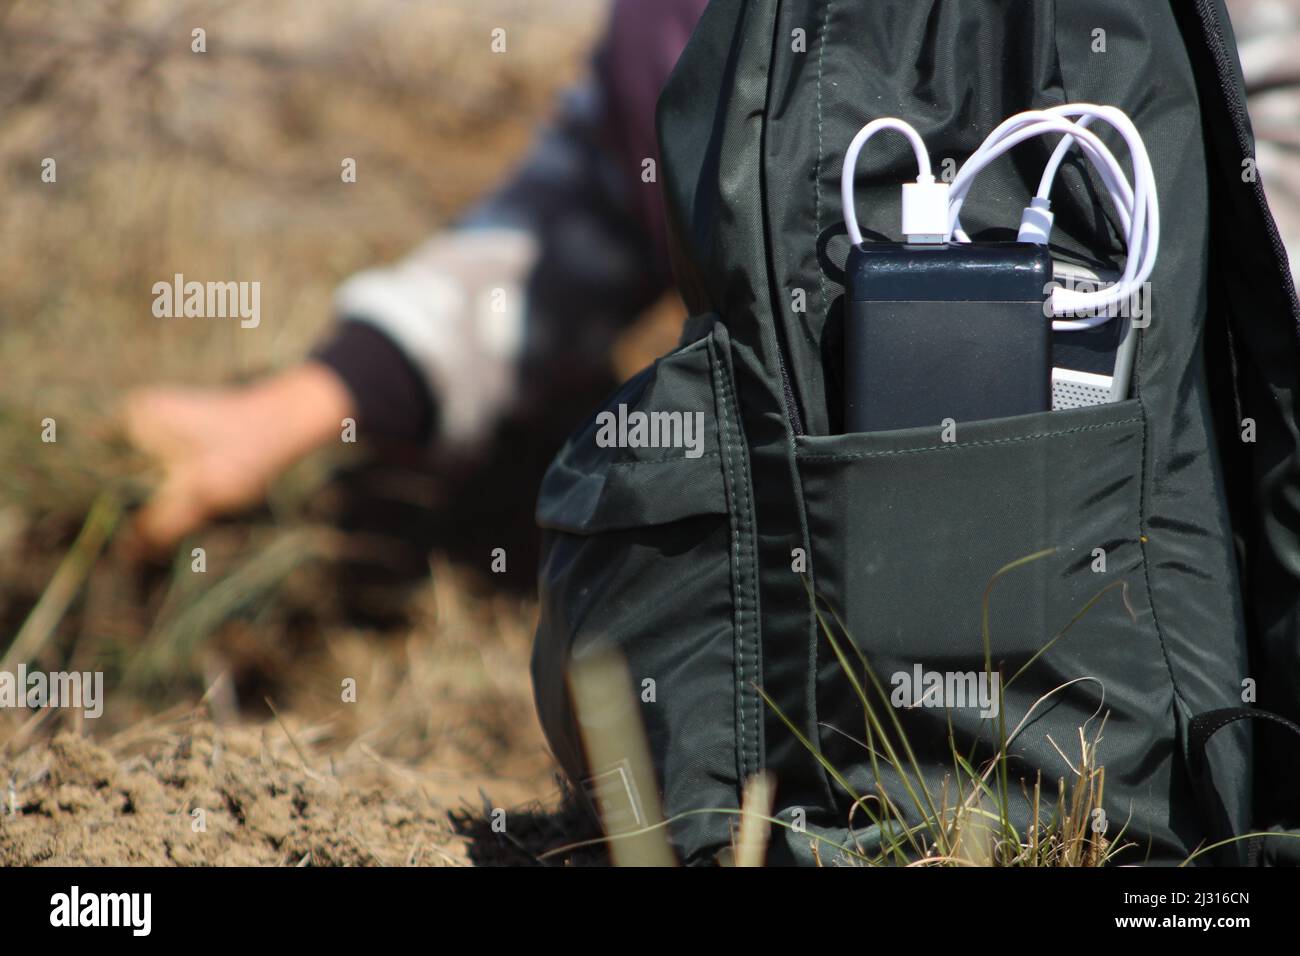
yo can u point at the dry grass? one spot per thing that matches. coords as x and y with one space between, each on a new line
226 165
970 819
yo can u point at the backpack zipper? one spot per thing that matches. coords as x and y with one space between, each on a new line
792 410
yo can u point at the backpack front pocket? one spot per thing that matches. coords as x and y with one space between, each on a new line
910 529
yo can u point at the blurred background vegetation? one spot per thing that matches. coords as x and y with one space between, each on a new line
226 165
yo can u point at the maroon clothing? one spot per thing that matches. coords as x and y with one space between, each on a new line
640 49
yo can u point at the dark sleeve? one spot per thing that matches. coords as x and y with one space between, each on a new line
390 395
632 64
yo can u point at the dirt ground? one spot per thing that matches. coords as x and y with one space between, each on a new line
193 794
440 743
226 738
184 792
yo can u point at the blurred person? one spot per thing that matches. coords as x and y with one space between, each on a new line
519 301
522 299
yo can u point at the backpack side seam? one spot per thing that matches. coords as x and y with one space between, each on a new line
1146 564
734 455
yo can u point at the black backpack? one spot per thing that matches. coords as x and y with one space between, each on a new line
705 571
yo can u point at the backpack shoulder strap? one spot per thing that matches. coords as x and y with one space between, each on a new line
1200 730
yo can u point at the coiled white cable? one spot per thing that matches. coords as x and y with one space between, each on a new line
1136 202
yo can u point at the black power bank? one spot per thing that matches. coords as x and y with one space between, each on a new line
936 332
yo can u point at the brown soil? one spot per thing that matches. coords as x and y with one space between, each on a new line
440 742
184 792
196 795
228 165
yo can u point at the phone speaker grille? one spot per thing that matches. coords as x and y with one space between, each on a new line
1072 393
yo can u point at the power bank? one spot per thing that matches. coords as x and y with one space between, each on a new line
947 331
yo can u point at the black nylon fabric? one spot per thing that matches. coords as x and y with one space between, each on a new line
644 552
592 488
711 120
908 531
1255 329
693 571
932 63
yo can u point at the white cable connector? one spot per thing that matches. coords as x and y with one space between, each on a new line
925 210
925 202
1036 222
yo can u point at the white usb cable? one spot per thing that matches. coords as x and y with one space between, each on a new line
1017 130
925 202
932 210
1136 203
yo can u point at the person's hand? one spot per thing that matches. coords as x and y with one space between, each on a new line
221 448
